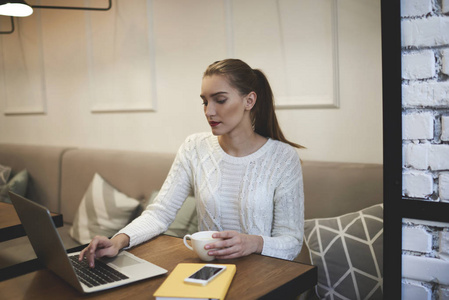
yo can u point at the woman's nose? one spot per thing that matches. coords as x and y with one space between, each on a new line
209 110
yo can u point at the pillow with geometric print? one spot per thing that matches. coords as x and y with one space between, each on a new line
348 253
102 211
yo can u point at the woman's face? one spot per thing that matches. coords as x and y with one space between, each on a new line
225 109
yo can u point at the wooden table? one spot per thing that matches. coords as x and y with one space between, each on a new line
257 277
10 225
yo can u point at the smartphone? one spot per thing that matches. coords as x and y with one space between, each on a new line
206 274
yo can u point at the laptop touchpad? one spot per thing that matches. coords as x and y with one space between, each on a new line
123 261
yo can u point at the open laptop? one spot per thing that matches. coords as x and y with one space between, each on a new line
47 244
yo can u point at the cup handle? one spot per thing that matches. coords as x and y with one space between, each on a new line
185 241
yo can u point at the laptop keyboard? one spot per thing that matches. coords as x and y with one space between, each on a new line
101 274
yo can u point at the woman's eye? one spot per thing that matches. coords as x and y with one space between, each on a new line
221 101
205 103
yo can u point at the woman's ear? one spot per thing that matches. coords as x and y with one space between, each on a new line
250 99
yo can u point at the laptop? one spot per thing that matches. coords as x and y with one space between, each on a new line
120 270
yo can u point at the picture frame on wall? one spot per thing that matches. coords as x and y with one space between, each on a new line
303 67
22 65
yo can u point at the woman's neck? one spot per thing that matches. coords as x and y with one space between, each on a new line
242 144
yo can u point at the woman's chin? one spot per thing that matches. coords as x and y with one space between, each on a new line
216 132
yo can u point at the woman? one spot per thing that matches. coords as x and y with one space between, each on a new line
246 177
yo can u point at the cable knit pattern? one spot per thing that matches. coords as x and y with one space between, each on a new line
270 196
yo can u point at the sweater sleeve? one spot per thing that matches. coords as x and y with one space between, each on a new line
160 214
288 216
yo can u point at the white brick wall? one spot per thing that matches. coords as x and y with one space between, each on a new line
425 269
445 58
445 127
417 184
444 186
426 32
445 5
417 126
415 291
418 65
416 239
443 292
443 240
430 94
416 7
415 155
425 223
439 157
423 156
425 102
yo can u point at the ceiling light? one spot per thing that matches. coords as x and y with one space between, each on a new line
15 8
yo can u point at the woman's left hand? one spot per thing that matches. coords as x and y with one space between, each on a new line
234 244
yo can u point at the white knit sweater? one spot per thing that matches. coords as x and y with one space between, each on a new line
269 200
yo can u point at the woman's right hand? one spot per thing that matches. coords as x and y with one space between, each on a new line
102 246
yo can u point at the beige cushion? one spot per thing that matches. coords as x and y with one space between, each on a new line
43 166
332 189
136 174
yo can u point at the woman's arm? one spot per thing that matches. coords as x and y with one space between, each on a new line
153 221
288 214
160 214
157 216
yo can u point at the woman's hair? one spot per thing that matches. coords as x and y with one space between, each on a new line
247 80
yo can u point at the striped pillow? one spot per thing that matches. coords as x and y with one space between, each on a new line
4 174
102 211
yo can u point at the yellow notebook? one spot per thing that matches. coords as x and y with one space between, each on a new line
174 286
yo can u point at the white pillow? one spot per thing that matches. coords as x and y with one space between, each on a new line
102 211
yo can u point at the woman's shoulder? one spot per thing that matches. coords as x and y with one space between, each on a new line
286 158
197 141
283 149
199 136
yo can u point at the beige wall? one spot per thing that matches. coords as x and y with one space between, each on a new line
187 36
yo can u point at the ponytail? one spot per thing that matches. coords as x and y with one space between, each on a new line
246 80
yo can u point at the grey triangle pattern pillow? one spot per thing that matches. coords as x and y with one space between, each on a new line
348 253
102 211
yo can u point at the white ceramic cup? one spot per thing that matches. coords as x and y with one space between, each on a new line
199 240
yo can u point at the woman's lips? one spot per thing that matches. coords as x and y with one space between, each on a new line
213 124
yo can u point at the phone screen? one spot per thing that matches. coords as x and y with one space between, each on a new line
205 273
